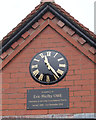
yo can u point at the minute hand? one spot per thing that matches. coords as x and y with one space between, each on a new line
49 66
53 71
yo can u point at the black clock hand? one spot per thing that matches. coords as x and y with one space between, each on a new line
50 67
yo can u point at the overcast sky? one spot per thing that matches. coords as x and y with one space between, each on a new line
13 11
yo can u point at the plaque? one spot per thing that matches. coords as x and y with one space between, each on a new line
48 99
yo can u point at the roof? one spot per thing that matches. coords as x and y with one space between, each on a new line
49 11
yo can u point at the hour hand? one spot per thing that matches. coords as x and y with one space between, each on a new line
46 59
47 63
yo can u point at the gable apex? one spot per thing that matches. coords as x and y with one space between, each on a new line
47 1
49 13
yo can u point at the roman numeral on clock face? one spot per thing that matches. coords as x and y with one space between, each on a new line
62 65
41 54
47 79
60 59
35 73
34 66
36 60
48 53
55 55
55 77
60 72
41 77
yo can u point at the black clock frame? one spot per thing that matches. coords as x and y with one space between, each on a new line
45 83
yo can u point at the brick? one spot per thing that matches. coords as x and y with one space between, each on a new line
35 25
3 56
86 46
86 71
8 113
16 107
45 16
87 98
9 101
81 41
5 75
72 77
76 37
17 85
4 96
0 61
73 110
5 86
56 111
7 91
20 41
88 77
92 50
68 30
92 57
4 107
15 96
40 21
9 51
74 99
18 75
60 24
55 20
22 90
14 45
81 93
88 110
82 104
48 15
88 66
51 16
39 112
31 30
25 35
75 88
82 82
65 83
20 101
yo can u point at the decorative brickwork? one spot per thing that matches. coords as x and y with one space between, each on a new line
48 33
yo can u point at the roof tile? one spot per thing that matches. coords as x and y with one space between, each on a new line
36 8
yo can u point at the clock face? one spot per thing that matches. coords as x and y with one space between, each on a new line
48 67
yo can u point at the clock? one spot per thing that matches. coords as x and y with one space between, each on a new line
48 67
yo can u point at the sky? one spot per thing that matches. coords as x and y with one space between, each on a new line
13 11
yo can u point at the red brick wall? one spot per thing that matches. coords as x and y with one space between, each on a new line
79 79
